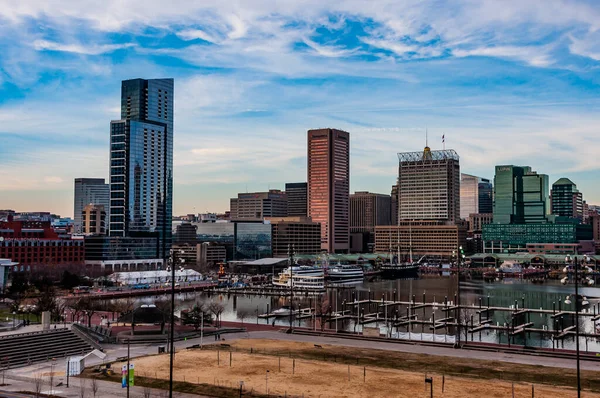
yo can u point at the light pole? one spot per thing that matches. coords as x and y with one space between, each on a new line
172 328
267 382
291 262
577 303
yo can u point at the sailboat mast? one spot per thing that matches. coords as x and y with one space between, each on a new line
410 241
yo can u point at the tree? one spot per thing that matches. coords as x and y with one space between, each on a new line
82 388
216 309
47 302
69 280
323 310
243 313
194 316
38 382
94 387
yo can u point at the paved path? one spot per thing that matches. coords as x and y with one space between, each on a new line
109 389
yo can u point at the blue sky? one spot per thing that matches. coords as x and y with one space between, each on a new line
507 82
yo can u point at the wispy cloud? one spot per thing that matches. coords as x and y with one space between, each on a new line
93 49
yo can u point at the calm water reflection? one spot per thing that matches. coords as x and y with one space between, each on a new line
435 289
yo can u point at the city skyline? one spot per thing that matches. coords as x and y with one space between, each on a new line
511 84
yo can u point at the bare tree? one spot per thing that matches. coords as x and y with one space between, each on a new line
94 386
147 391
82 388
216 309
38 382
323 310
243 313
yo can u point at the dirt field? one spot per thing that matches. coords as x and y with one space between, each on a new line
313 378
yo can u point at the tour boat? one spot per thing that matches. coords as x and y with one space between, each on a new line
345 274
301 277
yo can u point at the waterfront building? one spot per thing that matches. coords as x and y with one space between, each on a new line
255 206
89 191
299 232
107 254
521 196
475 195
93 220
429 185
329 186
567 201
141 162
512 238
427 237
210 254
297 197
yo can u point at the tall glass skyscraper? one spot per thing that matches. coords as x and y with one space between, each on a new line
141 162
88 191
567 201
475 195
521 196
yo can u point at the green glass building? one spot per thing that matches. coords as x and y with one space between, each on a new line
521 196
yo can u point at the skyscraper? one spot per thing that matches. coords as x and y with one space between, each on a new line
429 185
368 210
141 161
475 195
297 196
521 196
567 201
258 205
329 186
89 191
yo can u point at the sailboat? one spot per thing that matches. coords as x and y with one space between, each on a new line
396 270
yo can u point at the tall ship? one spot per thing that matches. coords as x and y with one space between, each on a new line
345 274
302 277
396 270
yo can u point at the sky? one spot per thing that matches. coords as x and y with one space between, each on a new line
506 82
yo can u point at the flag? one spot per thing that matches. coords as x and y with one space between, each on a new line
443 138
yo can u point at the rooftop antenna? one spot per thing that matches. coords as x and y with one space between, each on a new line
426 137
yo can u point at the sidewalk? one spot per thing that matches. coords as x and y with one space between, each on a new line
106 389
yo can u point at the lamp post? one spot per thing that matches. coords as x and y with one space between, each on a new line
577 304
172 328
291 262
460 256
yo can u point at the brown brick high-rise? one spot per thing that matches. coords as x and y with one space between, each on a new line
329 186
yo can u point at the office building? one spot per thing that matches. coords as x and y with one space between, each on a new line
521 196
567 201
256 206
430 237
89 191
93 220
186 233
394 204
477 221
475 195
297 197
429 185
107 254
329 186
368 210
210 254
35 243
513 238
299 232
141 162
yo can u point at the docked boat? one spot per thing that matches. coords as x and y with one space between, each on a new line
399 271
301 277
283 311
345 274
510 267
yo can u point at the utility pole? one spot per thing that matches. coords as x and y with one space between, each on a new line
128 359
291 261
172 328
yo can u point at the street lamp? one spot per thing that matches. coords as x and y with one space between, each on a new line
460 256
172 328
577 304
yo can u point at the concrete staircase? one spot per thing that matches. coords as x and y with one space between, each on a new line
24 349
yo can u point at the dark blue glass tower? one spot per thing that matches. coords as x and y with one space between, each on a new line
141 162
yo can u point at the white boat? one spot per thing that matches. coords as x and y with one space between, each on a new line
301 277
510 267
345 274
283 311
